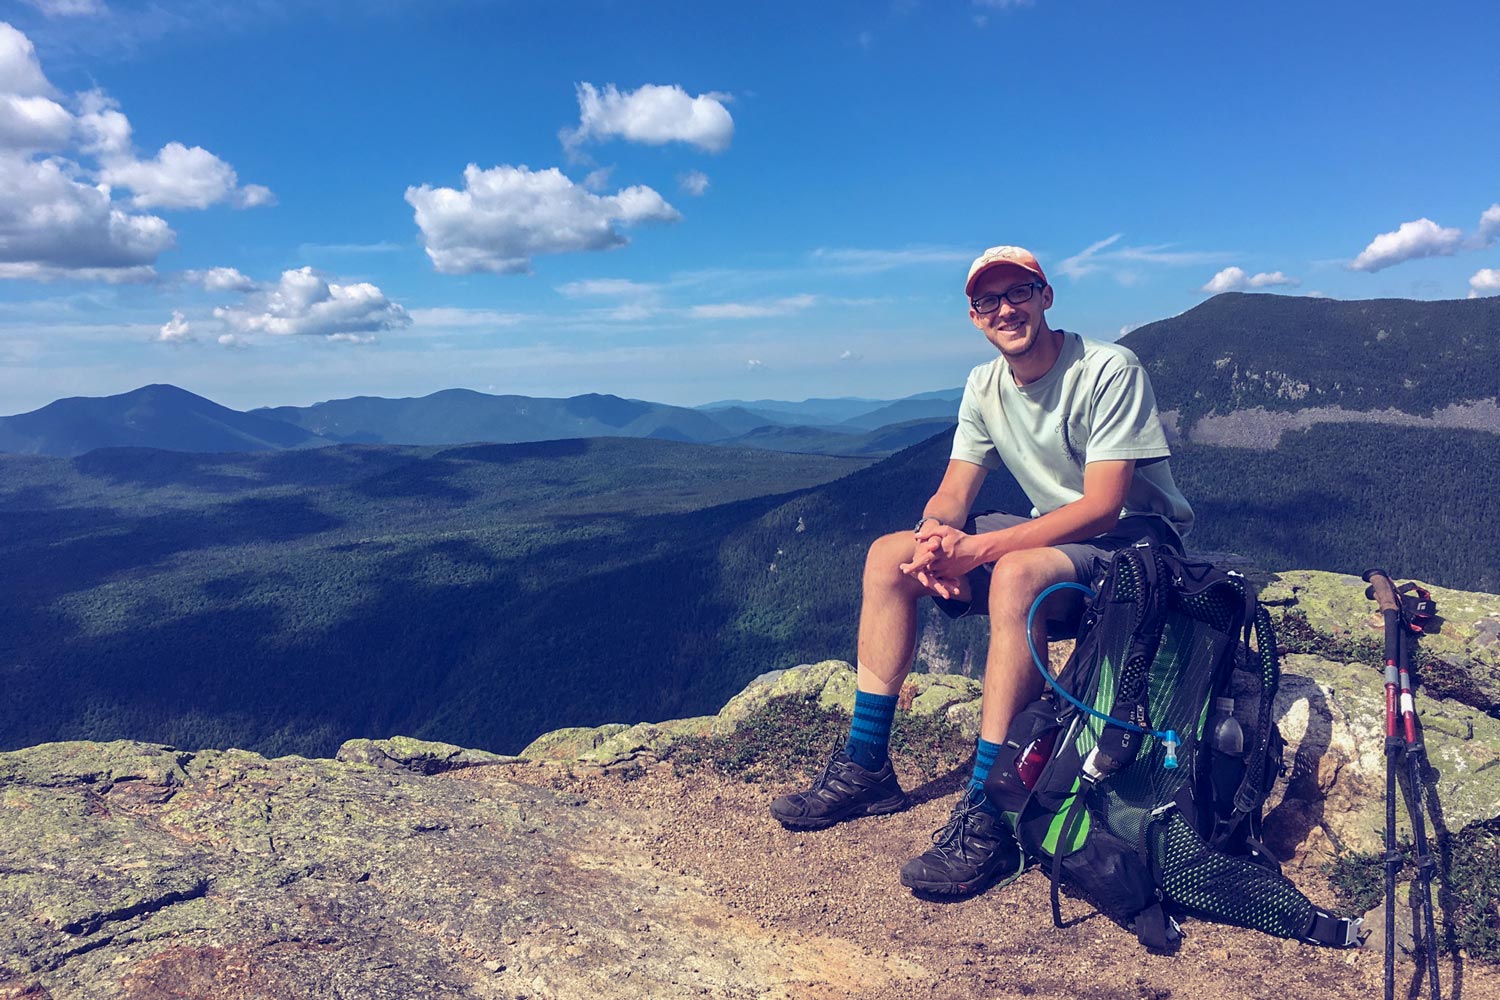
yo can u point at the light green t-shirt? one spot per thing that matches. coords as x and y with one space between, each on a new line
1096 404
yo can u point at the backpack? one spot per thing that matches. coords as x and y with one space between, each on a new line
1154 812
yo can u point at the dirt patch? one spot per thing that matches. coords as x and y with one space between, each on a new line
843 884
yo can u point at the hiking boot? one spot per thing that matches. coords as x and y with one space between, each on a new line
844 791
974 849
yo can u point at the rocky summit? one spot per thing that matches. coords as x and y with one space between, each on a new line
635 861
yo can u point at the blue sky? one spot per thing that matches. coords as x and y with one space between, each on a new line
691 202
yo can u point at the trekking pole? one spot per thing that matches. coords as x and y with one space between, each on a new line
1403 738
1416 763
1385 596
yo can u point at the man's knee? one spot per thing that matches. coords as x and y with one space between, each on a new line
884 560
1018 578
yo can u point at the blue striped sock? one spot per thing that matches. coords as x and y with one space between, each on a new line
985 754
870 731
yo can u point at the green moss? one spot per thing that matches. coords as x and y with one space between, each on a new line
1474 888
793 736
1473 903
1358 878
783 737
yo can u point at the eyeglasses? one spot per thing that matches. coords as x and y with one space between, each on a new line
1015 296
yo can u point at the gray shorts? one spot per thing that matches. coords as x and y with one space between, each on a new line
1090 558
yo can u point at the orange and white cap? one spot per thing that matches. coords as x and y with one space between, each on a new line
1018 256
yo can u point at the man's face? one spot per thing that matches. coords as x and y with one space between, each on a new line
1013 329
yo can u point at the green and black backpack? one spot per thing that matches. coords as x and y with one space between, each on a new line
1138 777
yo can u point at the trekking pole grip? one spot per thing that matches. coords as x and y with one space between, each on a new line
1381 590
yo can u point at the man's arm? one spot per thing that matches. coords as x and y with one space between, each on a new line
949 553
955 494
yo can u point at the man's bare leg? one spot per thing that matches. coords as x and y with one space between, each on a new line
1011 680
888 615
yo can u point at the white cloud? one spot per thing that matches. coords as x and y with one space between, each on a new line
182 177
851 356
613 287
105 128
69 8
384 246
54 226
175 330
753 310
1234 279
221 279
1422 238
755 365
1485 282
694 182
1123 264
33 123
58 215
854 259
1488 230
20 73
233 341
598 180
505 215
449 318
654 115
303 303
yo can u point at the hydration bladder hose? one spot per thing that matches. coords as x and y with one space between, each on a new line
1168 737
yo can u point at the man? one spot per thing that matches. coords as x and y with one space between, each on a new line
1075 422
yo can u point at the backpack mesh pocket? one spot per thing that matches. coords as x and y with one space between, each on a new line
1229 889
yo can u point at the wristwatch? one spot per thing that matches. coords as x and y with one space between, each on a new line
927 517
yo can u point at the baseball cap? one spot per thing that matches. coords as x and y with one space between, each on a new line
1019 256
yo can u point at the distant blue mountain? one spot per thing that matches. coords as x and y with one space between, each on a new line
153 416
456 416
172 419
928 406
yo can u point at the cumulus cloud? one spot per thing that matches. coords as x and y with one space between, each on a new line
1485 282
694 182
754 364
54 226
506 215
753 310
175 330
221 279
58 214
20 72
1124 263
1422 238
33 123
653 114
303 303
182 177
233 341
1488 230
1233 279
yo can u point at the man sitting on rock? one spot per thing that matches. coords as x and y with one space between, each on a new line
1075 422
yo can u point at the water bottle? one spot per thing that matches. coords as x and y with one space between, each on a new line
1227 768
1029 762
1227 734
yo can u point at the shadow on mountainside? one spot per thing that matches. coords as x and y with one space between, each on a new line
489 638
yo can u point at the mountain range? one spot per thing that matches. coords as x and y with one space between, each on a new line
173 419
